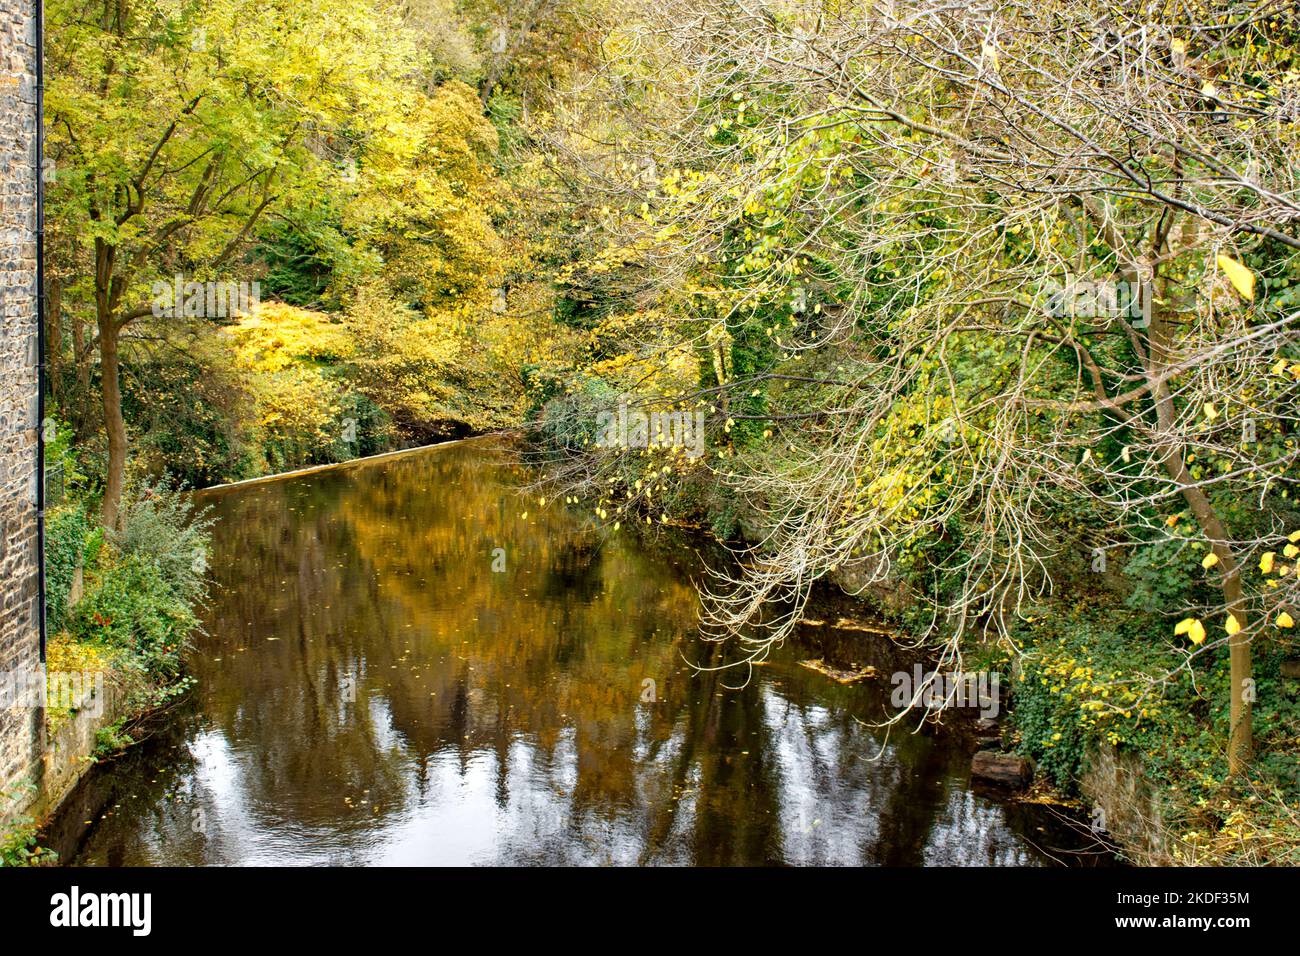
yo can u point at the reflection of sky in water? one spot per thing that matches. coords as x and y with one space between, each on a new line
831 796
499 718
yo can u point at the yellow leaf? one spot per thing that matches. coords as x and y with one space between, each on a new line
1210 411
1196 633
1184 626
1209 90
1171 520
1209 561
1280 367
1242 279
1293 537
1291 550
1233 625
1285 620
1266 562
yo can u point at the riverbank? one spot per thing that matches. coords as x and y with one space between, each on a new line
122 608
412 662
1127 728
105 658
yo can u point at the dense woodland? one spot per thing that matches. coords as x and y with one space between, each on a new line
991 307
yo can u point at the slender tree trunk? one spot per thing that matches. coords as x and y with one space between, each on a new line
83 419
1241 745
1240 735
114 425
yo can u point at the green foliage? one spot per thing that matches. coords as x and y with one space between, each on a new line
1087 677
144 598
193 410
163 529
1097 676
304 252
18 836
1161 576
61 453
67 534
506 112
111 740
567 423
132 607
18 846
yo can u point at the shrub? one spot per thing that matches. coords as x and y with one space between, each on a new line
67 534
160 528
133 607
18 846
144 598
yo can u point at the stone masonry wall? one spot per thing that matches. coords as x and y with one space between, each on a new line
21 726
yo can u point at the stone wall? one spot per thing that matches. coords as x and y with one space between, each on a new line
21 726
1116 782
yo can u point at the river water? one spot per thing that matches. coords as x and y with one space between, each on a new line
379 684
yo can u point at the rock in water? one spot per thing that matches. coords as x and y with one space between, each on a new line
1005 770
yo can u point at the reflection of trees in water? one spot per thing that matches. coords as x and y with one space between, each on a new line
575 569
531 679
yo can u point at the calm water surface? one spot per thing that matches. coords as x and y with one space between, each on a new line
371 691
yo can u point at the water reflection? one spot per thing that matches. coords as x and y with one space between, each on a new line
372 692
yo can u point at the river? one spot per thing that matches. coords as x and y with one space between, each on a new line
407 661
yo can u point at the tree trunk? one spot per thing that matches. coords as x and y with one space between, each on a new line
1240 736
114 425
1241 691
82 417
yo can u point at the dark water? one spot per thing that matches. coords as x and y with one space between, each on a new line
372 692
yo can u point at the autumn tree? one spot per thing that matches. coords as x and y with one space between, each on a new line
985 267
178 127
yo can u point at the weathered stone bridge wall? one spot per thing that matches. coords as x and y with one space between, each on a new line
21 726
